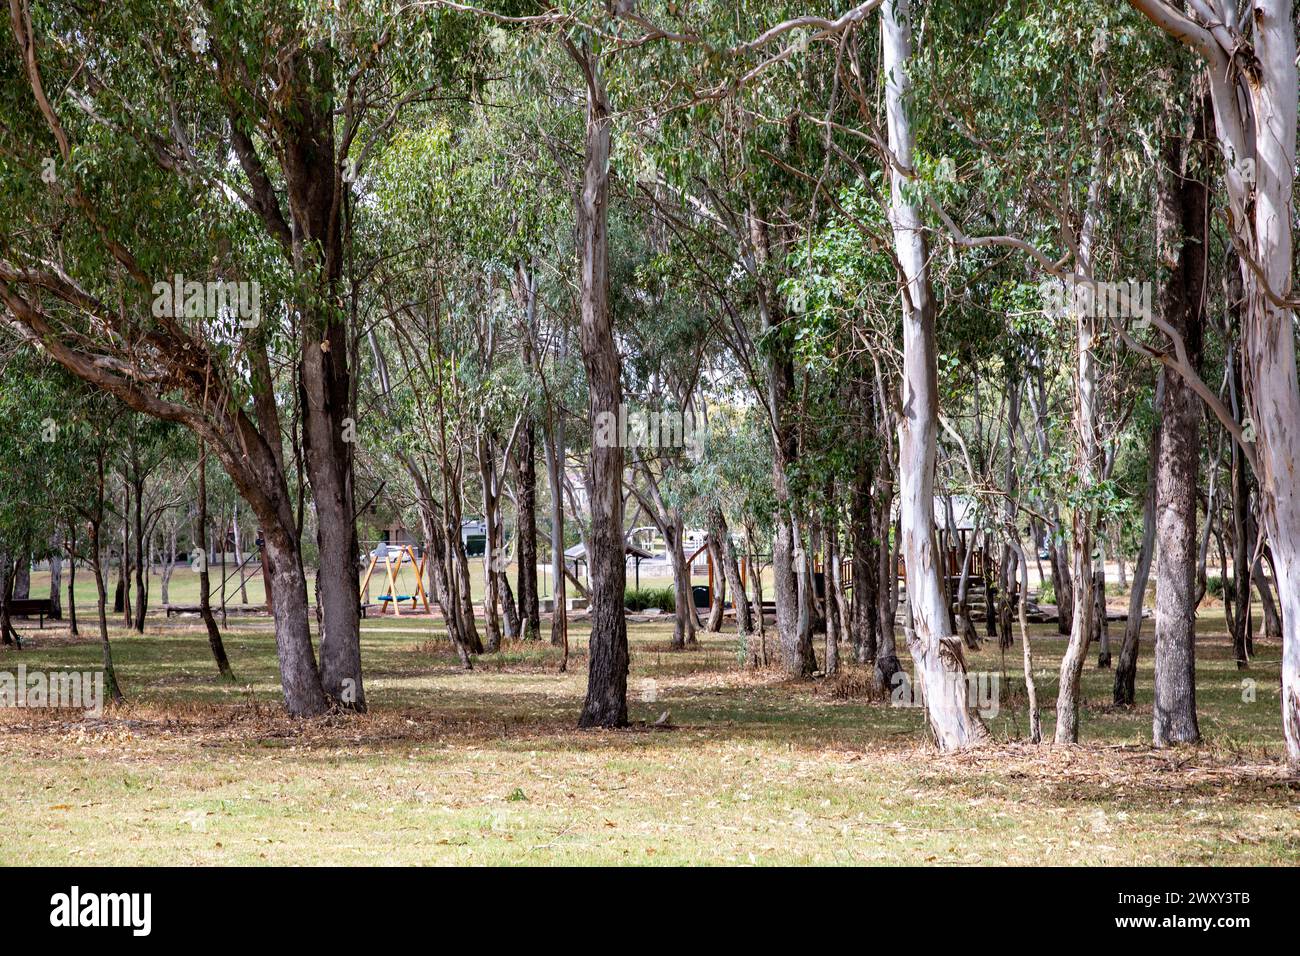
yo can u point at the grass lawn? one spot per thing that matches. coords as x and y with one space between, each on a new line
487 766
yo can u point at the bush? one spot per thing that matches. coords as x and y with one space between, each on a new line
1047 593
645 598
1214 586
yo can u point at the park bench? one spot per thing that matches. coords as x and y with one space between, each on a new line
29 606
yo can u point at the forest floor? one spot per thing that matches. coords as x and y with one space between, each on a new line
487 766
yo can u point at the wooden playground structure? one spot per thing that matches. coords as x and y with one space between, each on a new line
393 596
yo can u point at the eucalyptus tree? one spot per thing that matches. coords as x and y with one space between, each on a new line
667 336
42 463
1250 61
936 651
1183 221
242 132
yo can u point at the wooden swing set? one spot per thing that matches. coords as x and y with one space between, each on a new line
392 596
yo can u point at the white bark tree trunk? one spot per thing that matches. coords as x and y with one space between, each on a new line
940 668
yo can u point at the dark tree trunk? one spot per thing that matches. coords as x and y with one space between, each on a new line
7 633
684 620
318 200
1100 625
793 614
493 545
96 518
716 543
72 579
1182 223
123 600
1272 618
606 700
141 568
1063 586
444 593
731 572
56 580
526 574
833 590
887 664
23 576
112 689
461 586
865 563
215 643
757 649
326 403
509 611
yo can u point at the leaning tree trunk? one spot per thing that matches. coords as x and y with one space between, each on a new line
1272 620
112 689
215 643
936 652
1126 665
731 571
606 701
258 473
1182 219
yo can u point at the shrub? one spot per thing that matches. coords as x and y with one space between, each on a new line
1214 586
645 598
1047 593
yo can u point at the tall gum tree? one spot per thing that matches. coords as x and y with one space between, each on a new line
1182 221
230 123
606 701
1252 79
936 651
